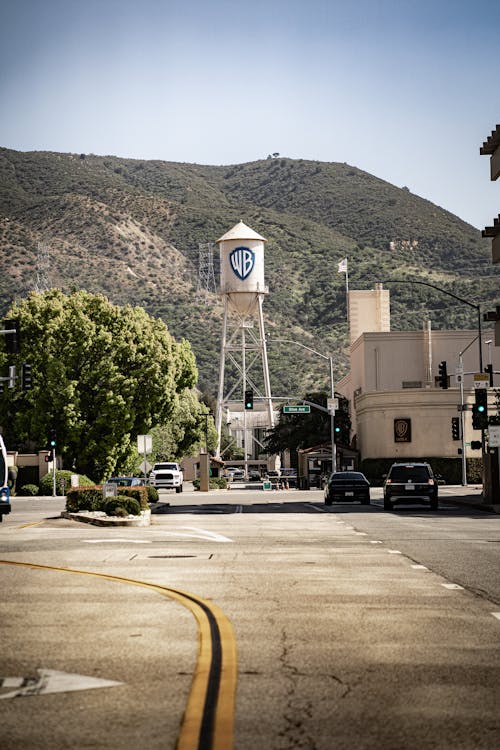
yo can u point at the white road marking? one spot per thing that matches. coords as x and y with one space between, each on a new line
116 541
451 586
420 567
52 681
496 614
394 551
210 535
376 541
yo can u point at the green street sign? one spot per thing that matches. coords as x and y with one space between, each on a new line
302 409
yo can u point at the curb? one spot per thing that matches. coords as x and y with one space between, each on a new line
485 507
98 518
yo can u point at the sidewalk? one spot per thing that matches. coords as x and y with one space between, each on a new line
472 497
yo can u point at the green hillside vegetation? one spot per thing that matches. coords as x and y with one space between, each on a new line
131 229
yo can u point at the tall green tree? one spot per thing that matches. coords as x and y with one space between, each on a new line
101 375
295 431
186 431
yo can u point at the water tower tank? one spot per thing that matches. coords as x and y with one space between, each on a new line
242 266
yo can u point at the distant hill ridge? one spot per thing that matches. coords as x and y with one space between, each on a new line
131 229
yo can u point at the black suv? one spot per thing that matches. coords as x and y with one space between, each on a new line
410 483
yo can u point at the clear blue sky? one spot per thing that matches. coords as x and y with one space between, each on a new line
405 89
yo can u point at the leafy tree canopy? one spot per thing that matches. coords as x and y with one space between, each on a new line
295 431
188 429
101 375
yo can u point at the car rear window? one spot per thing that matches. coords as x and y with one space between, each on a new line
409 474
342 475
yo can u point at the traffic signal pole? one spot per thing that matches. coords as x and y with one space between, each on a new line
332 419
462 419
455 296
332 391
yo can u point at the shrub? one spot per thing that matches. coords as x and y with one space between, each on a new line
91 498
122 505
63 482
219 482
215 483
153 495
29 490
84 498
138 493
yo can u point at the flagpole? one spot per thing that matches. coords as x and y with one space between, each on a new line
343 268
347 293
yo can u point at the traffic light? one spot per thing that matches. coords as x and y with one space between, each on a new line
455 428
13 338
52 442
476 445
443 375
26 381
342 424
489 370
249 399
480 410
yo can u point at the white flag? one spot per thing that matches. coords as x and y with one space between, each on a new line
343 266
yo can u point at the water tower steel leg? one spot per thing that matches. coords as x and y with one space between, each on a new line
265 366
220 397
244 387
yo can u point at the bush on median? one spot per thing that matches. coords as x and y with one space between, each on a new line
122 505
91 498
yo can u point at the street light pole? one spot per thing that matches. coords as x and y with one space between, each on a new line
455 296
332 391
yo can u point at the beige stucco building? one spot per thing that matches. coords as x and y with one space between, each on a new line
398 409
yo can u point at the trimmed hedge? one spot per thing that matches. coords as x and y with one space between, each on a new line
29 490
215 483
153 495
138 493
91 498
122 505
84 498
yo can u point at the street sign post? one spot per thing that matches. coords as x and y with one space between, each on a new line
481 380
332 404
297 409
145 446
494 436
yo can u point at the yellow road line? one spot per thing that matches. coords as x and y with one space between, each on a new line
222 731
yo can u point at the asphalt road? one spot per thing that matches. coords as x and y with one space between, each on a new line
353 627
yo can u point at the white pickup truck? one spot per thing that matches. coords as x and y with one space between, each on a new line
167 476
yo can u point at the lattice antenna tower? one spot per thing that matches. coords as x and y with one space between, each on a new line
42 268
206 274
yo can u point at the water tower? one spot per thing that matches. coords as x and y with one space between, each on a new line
243 289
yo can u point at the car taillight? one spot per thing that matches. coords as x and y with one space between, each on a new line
388 481
430 481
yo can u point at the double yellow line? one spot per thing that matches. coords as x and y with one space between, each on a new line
208 721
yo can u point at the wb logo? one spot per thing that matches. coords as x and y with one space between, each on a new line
242 261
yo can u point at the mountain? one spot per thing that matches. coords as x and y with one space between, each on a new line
131 229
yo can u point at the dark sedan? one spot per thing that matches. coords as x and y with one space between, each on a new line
347 486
